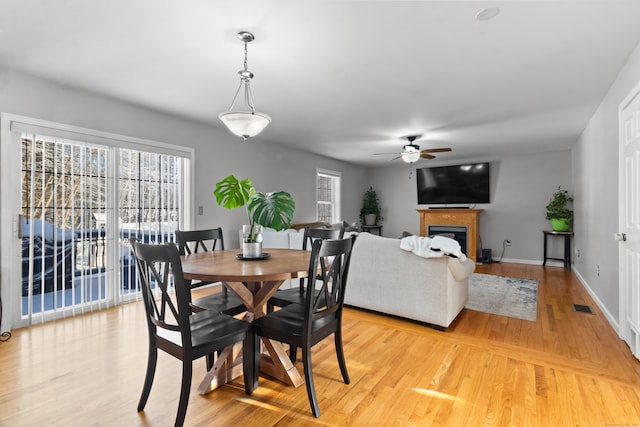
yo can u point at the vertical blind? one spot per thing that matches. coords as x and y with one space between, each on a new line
73 258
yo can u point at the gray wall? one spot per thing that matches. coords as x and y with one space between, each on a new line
521 187
595 177
217 152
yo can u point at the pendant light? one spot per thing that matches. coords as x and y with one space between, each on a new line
248 122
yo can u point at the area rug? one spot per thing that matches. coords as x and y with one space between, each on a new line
505 296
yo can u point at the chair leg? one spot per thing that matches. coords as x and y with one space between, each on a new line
308 379
210 360
148 379
251 365
255 359
340 354
184 392
269 307
293 353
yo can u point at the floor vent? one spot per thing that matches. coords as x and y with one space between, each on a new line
579 308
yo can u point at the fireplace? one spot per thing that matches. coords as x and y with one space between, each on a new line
467 219
457 232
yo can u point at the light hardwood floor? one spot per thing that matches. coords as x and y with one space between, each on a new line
564 369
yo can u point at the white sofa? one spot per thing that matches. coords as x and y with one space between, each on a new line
387 279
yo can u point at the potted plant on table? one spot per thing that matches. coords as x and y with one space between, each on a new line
370 212
558 212
270 210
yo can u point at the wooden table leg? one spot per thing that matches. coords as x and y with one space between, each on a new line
276 363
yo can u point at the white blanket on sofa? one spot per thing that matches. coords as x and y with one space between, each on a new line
431 247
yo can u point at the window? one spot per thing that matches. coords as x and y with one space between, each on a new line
328 196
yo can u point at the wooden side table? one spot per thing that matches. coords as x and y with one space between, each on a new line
373 229
567 246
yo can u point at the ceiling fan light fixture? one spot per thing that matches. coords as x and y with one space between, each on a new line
410 157
248 122
410 154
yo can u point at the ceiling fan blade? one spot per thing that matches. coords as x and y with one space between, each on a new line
384 154
424 155
436 150
396 158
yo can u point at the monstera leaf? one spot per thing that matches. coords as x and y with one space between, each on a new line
273 210
231 193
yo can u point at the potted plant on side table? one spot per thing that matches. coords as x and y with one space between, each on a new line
270 210
558 212
370 212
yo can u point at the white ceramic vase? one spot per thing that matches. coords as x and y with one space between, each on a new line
251 245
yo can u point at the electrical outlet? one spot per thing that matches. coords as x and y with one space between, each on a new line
577 253
200 210
598 270
507 242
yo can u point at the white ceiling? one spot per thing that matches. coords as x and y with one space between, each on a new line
344 79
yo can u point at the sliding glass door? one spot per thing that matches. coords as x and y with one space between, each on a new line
79 204
70 258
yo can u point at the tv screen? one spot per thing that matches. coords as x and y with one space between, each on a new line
453 184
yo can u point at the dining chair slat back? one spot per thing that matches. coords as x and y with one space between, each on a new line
194 241
296 295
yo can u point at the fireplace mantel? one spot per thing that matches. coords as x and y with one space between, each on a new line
457 217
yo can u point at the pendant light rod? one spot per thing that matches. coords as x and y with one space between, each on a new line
245 123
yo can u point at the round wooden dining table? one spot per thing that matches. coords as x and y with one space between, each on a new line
254 281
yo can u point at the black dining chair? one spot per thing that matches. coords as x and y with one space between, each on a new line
173 327
304 325
206 240
296 295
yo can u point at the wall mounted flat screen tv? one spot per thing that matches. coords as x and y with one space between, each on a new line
466 184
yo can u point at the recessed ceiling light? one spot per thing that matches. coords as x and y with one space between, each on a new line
487 14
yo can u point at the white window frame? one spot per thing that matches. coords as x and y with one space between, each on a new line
336 179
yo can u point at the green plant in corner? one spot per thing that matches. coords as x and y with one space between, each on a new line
371 206
270 210
558 212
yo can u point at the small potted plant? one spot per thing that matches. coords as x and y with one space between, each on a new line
558 212
370 212
270 210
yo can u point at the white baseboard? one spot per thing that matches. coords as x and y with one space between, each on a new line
530 261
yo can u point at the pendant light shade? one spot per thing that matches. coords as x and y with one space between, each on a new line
245 124
248 122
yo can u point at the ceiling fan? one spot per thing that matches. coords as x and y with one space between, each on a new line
412 153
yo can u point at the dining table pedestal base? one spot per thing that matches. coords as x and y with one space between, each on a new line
274 363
